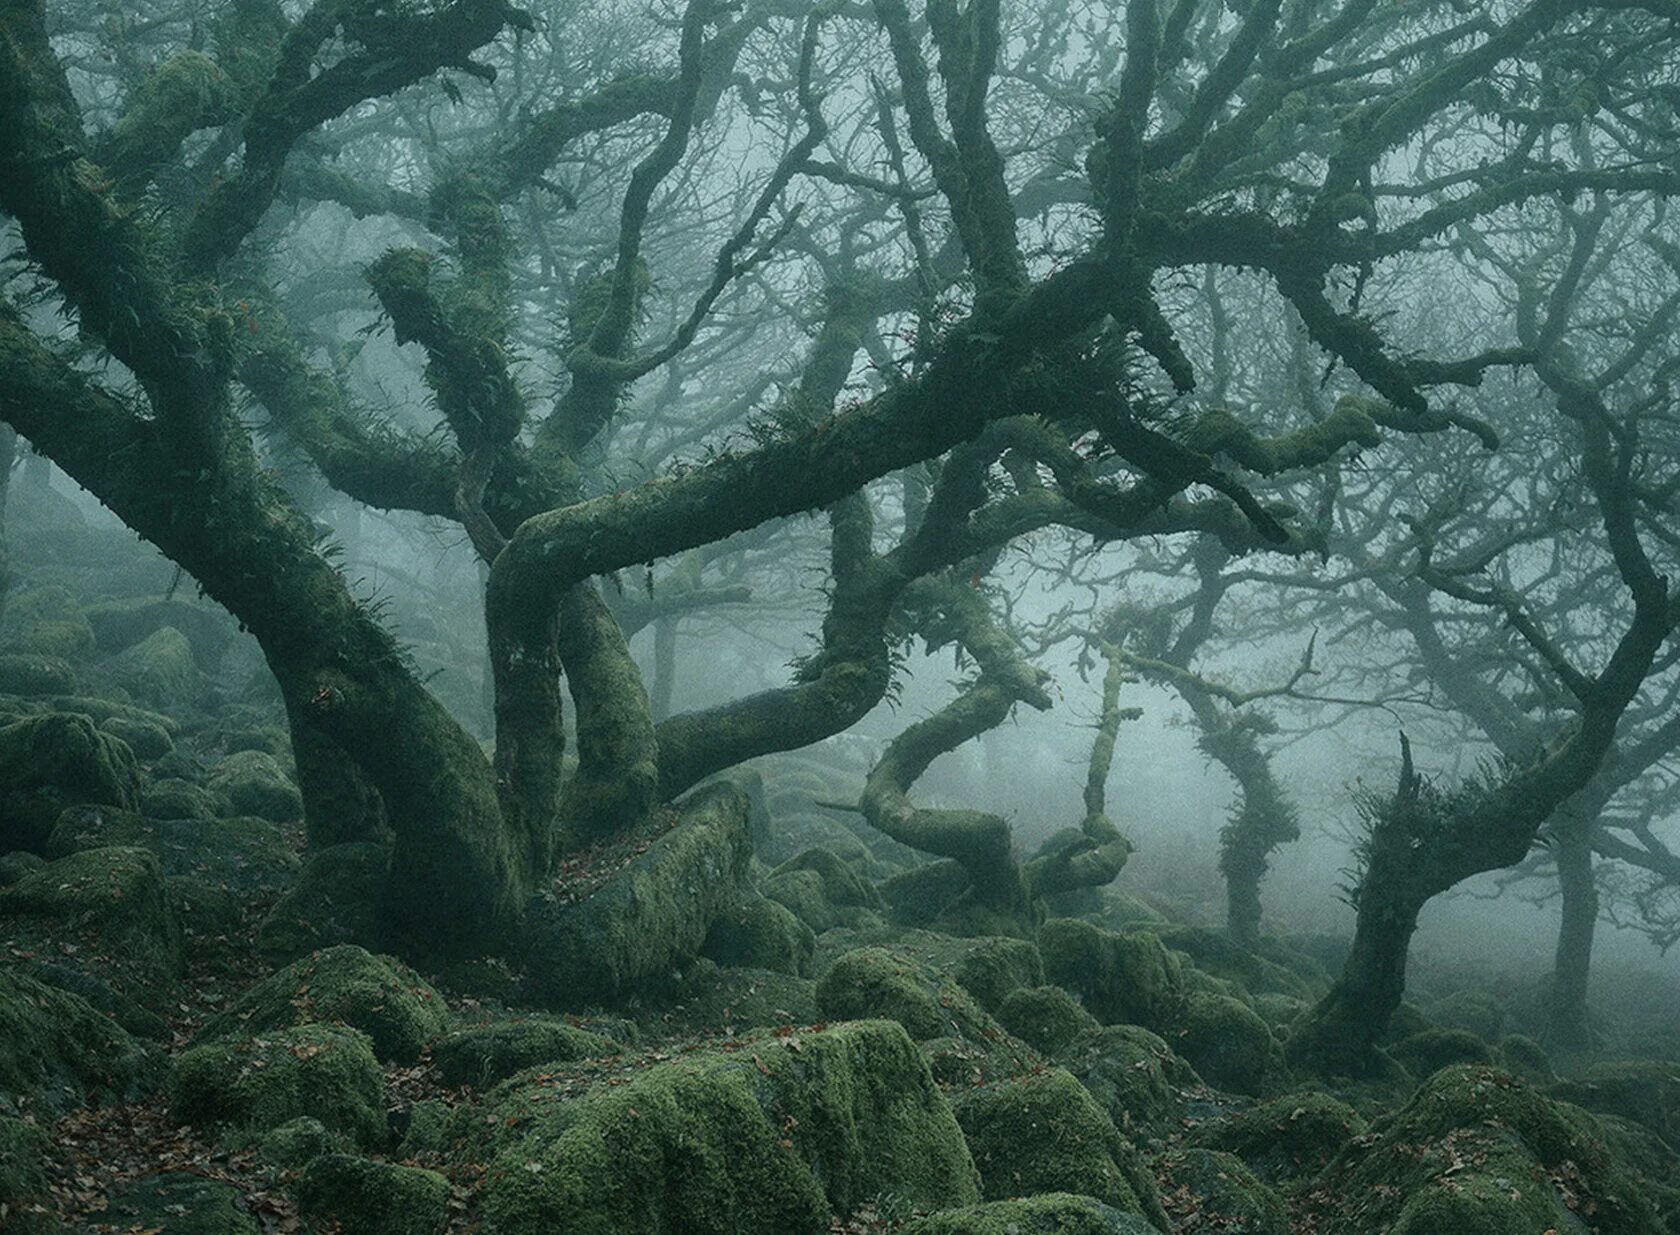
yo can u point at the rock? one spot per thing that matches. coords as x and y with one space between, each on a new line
147 739
1526 1058
1647 1091
32 675
178 1203
254 783
1428 1052
1045 1017
1044 1133
298 1142
709 1001
1134 1076
1474 1011
336 899
1217 953
101 996
1121 977
988 967
918 896
373 1198
1285 1140
55 760
1478 1152
756 933
1057 1213
27 1160
891 983
120 624
46 621
159 671
173 798
56 1050
766 1139
648 918
16 864
823 890
1212 1193
1228 1044
253 1085
482 1055
345 985
244 857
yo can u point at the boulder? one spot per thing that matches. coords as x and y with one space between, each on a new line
57 1050
54 760
1045 1017
33 675
1124 977
254 783
1423 1054
159 671
1056 1213
483 1055
1211 1193
1134 1076
178 1203
337 899
756 933
1286 1140
373 1198
1228 1044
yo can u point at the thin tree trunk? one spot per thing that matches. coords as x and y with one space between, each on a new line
1567 1029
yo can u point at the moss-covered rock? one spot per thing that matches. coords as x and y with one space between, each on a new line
373 1198
46 621
1428 1052
988 967
891 983
1471 1010
1523 1057
298 1142
1647 1091
1211 1193
1121 977
706 1000
174 798
32 675
55 760
1057 1213
86 983
254 783
649 917
178 1203
483 1055
159 671
765 1139
1287 1139
1217 953
120 624
1228 1044
918 896
56 1050
242 857
1134 1076
756 933
1045 1017
16 864
379 995
250 1086
336 899
1478 1152
147 739
28 1159
1044 1133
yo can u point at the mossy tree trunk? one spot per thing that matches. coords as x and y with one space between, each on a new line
1568 1031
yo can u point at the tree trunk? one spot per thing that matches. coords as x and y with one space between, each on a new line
1567 1029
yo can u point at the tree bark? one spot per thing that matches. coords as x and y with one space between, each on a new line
1568 1031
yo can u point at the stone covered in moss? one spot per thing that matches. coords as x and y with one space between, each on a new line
46 621
147 739
336 899
298 1142
32 674
707 1000
178 1203
482 1055
1217 953
891 983
56 1050
1044 1133
1056 1213
1121 977
1524 1057
1478 1152
55 760
1647 1091
244 856
373 1198
159 670
1428 1052
1472 1010
1228 1044
918 896
1134 1076
1287 1139
174 798
254 783
86 982
756 933
1045 1017
27 1160
988 967
250 1086
348 985
1211 1193
648 918
120 624
766 1139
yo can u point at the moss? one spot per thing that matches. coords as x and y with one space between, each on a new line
178 1203
1478 1152
32 674
801 894
423 1127
101 996
1058 1213
918 896
173 798
254 783
1647 1091
1475 1011
1222 956
891 983
1228 1044
159 671
1279 1011
841 883
1121 977
756 933
147 739
1045 1017
1044 1133
648 918
28 1158
761 1140
482 1055
1428 1052
56 1050
1208 1192
335 900
56 760
46 621
250 1086
119 624
988 967
17 864
298 1142
1134 1076
373 1198
240 856
707 1000
958 1063
385 999
1287 1139
1522 1056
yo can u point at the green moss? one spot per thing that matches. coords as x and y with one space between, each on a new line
1287 1139
55 760
297 1142
1646 1091
1228 1044
1222 956
46 621
1134 1076
1474 1011
85 983
761 1140
988 967
240 856
958 1063
159 671
918 896
1044 1133
424 1128
373 1198
1524 1057
56 1050
1057 1213
336 899
1045 1017
1121 977
1428 1052
147 739
841 883
1208 1192
250 1086
178 1203
254 783
756 933
709 1001
32 674
173 798
27 1160
482 1055
892 983
382 997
